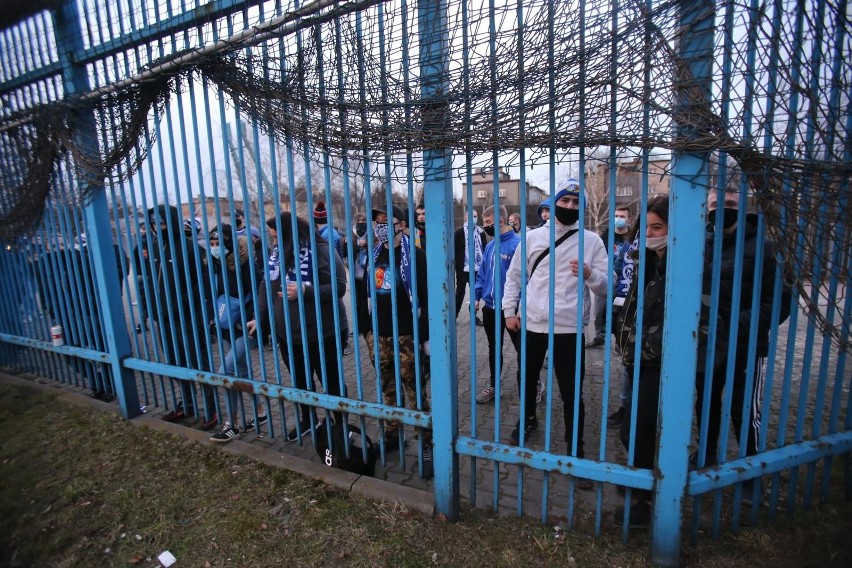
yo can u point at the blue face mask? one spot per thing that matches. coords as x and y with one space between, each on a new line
380 230
620 223
215 252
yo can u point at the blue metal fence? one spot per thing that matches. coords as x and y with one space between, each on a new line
155 158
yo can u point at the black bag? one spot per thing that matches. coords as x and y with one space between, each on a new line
336 455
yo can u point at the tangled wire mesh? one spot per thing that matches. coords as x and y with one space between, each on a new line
342 80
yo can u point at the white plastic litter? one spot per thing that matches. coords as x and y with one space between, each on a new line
166 558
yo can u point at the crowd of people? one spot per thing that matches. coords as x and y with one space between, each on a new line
552 302
239 296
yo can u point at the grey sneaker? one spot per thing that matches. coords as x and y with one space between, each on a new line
485 395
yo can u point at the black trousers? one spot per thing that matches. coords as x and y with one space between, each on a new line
738 398
564 369
179 348
303 375
647 414
488 317
461 283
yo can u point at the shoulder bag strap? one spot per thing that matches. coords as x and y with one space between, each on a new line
542 256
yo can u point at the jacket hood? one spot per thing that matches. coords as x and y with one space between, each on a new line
166 214
544 205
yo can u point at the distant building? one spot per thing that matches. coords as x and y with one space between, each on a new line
511 193
628 180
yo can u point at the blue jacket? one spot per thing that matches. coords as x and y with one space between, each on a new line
484 287
334 241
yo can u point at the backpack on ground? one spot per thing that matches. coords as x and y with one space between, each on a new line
335 456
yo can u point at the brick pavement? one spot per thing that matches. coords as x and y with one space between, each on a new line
478 478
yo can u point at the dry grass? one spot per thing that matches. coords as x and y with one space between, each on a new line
82 488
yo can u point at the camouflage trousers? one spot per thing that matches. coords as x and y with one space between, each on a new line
407 376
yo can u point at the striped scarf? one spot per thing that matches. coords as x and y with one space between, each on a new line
404 262
305 266
274 263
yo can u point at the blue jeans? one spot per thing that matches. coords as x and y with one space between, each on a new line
235 363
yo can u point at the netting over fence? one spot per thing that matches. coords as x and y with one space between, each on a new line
521 81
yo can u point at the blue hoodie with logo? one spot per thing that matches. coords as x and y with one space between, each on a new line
484 288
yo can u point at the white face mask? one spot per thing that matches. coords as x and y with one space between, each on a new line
657 243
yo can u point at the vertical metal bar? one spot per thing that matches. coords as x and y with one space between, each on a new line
66 21
465 65
846 318
757 277
551 117
496 271
797 52
815 68
683 289
768 141
834 110
438 194
523 198
640 270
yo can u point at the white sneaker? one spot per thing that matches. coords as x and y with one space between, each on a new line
539 392
485 395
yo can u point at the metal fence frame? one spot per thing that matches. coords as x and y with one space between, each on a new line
671 482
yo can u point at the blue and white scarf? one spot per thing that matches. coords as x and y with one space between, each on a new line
477 249
404 262
274 263
305 266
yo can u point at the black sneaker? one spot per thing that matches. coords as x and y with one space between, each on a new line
596 342
615 418
392 442
532 426
261 420
428 465
640 515
293 435
225 435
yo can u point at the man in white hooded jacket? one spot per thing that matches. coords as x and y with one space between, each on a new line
565 296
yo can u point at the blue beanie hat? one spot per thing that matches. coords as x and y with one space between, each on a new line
544 205
567 187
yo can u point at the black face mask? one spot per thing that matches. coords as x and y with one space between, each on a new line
361 230
566 216
489 230
420 224
729 217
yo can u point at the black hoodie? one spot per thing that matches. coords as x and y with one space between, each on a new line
176 262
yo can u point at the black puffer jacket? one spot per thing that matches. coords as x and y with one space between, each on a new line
653 314
727 284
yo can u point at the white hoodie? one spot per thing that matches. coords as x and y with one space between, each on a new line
565 283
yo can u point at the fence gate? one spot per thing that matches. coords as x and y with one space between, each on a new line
195 198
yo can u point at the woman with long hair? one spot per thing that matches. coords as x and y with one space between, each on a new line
307 329
649 351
